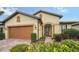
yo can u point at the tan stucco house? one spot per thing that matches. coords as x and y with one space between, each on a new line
21 25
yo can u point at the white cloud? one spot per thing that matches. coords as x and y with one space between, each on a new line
8 10
61 9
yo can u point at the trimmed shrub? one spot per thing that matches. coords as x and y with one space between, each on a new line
2 36
65 36
73 33
33 37
58 37
19 48
77 37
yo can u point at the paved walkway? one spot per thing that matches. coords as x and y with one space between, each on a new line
7 44
48 39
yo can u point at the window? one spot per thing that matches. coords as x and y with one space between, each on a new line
63 27
18 18
40 15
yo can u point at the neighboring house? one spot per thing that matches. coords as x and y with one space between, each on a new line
67 24
75 26
21 25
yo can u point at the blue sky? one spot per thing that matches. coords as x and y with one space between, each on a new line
69 13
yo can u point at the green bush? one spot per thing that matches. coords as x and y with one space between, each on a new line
72 46
2 36
33 37
64 46
65 36
60 37
19 48
73 33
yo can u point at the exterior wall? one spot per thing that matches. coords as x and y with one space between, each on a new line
50 19
66 26
57 29
40 30
46 18
69 26
24 21
76 27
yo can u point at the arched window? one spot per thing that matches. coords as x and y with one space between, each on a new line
40 15
18 18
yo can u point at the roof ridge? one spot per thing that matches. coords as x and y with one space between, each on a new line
25 13
56 14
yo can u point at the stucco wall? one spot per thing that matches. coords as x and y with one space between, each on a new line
63 26
57 29
40 30
76 27
24 20
69 26
50 19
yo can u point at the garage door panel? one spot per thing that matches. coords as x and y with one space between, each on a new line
20 32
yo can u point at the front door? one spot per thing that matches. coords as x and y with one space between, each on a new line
48 30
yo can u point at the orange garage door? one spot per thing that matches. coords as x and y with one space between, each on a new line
20 32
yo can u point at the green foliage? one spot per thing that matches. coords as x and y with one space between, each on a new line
19 48
73 46
64 46
71 32
1 12
33 37
60 37
2 36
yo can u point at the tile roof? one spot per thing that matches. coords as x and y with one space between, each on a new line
48 13
18 12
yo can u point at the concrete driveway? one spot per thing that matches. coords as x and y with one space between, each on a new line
7 44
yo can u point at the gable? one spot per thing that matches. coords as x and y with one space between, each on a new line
14 14
47 18
53 14
24 20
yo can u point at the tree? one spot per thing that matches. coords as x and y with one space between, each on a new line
1 12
